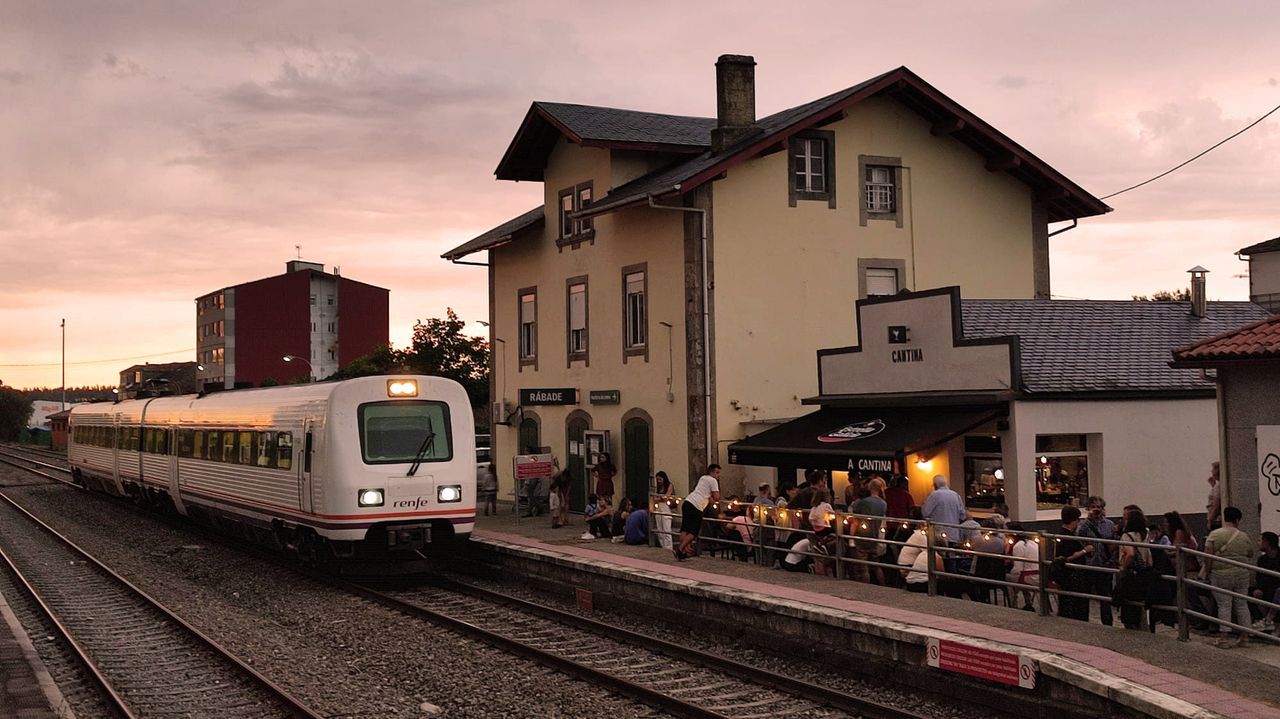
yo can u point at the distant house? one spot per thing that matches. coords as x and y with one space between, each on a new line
680 272
151 380
1264 273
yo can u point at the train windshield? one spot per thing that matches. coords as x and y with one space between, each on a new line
394 432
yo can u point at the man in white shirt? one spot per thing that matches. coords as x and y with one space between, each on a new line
706 491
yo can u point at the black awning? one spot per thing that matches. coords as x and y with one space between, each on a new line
865 438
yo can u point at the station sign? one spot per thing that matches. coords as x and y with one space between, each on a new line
605 396
549 396
1008 668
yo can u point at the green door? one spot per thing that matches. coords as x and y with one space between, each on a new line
575 430
636 471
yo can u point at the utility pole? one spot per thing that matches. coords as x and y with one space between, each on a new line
64 363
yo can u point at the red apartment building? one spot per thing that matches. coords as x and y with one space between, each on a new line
322 319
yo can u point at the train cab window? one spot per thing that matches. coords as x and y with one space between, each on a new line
229 447
246 449
284 450
395 432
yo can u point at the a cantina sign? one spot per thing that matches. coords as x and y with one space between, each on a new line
911 355
849 432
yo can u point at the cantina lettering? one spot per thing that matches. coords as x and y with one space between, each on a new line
913 355
871 465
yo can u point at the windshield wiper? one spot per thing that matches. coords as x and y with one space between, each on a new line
428 445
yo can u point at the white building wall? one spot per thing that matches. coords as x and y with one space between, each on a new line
324 326
1157 452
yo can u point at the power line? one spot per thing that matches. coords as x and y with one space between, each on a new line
103 361
1197 157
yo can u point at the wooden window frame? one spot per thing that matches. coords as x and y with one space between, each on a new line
794 194
579 231
868 161
880 263
627 350
532 359
570 354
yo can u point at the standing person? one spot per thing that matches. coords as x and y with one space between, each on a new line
1026 565
662 518
605 472
865 548
488 490
944 506
706 491
1197 598
1213 508
1266 587
1069 551
1229 542
1135 569
559 498
1096 526
897 498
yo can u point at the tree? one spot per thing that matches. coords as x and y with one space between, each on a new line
440 348
15 410
382 360
1182 295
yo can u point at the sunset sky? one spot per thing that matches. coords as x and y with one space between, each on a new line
152 152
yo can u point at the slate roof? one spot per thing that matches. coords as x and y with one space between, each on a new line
1074 346
1261 247
608 124
500 235
1256 341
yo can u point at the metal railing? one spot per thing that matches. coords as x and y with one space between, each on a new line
844 545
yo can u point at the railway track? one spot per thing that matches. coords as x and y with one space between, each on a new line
25 459
674 678
146 660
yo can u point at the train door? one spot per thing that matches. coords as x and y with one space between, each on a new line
304 466
117 441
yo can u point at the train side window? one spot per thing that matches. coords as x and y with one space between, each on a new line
306 455
183 437
229 446
149 440
266 449
284 450
197 443
163 441
246 449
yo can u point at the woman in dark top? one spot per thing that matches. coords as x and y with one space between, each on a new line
605 472
620 519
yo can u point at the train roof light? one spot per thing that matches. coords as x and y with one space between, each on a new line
402 388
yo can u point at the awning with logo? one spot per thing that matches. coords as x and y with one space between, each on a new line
864 438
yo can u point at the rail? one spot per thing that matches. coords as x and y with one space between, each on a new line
860 540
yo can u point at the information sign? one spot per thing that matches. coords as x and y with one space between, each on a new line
1269 476
534 466
605 396
1003 667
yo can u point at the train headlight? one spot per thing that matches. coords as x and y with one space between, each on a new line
370 498
449 493
402 388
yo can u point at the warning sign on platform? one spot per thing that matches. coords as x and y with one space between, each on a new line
534 466
1003 667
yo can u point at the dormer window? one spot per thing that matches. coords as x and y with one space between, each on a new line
811 166
571 200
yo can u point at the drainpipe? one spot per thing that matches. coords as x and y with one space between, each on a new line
706 316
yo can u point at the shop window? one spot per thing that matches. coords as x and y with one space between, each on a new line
983 472
1062 470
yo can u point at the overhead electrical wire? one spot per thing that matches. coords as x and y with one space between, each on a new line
101 361
1197 157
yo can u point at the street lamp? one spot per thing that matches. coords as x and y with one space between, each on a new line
296 358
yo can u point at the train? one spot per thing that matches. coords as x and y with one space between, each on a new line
374 468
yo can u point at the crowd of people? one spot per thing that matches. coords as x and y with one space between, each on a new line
1087 553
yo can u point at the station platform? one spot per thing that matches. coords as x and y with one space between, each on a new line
26 689
1152 673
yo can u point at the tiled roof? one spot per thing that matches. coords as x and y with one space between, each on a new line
1261 247
499 235
607 124
1259 340
1103 346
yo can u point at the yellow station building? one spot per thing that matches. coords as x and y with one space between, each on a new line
669 295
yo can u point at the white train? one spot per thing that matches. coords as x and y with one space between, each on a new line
366 468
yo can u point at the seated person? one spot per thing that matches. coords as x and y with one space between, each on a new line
796 559
739 529
599 516
914 558
636 529
619 523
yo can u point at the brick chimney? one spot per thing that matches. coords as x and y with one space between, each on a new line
735 100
